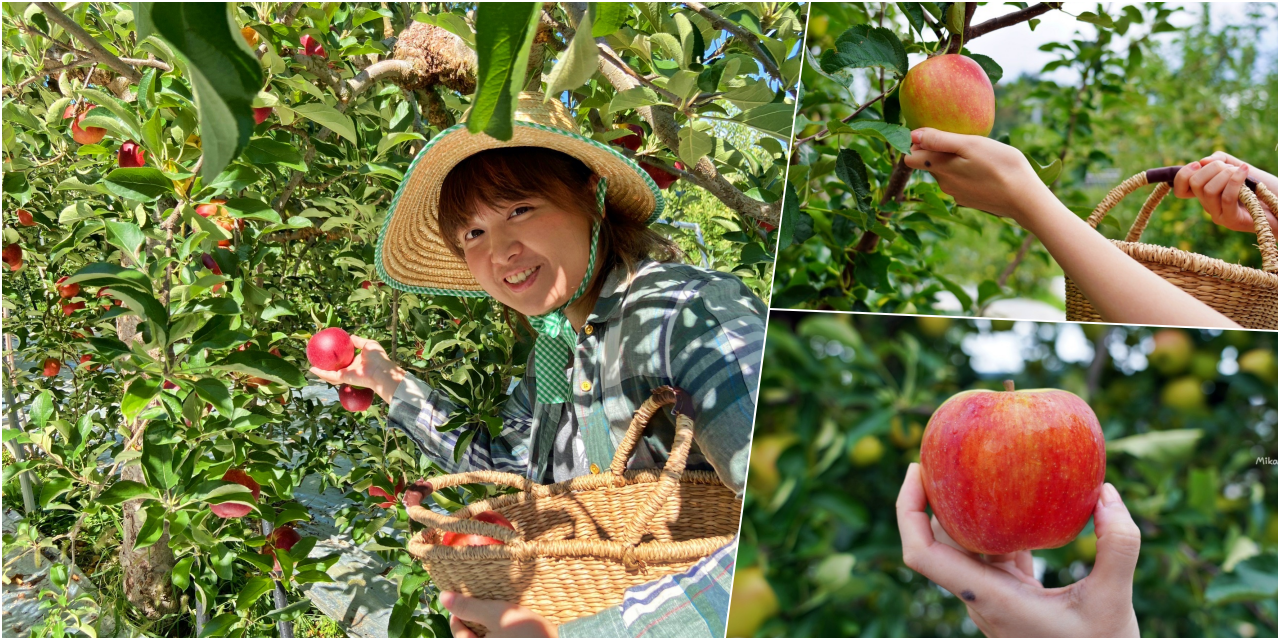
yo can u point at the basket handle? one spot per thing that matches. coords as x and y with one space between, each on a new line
669 479
1163 178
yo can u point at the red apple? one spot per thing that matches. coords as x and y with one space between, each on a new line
210 264
233 509
282 537
250 36
69 308
51 367
275 351
69 112
661 177
86 135
331 349
12 256
472 540
87 358
1013 470
169 385
355 399
25 219
950 92
366 284
260 114
210 208
67 290
311 47
632 141
131 155
378 492
224 244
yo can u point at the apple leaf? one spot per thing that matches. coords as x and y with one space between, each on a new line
853 172
124 490
215 393
1048 173
265 152
994 72
694 145
577 63
1254 579
255 588
896 135
1158 445
263 365
796 225
143 184
504 36
774 119
329 117
633 98
105 274
138 395
864 46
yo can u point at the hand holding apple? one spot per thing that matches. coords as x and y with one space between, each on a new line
1009 601
370 369
978 172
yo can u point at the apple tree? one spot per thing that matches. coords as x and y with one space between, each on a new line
191 191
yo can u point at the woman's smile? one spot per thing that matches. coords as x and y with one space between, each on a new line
522 280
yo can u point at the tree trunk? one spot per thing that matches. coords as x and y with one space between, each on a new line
147 582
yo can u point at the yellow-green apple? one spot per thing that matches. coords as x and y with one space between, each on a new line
866 452
753 602
949 92
1184 394
1013 470
1172 352
1261 363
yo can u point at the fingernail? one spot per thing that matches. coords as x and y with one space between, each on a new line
1193 166
1243 170
1109 495
447 598
917 136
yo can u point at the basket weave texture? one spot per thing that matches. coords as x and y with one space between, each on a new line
1244 294
579 544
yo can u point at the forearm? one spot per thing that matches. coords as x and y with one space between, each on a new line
1120 288
422 412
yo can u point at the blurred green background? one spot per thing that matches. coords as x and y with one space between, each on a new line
1188 416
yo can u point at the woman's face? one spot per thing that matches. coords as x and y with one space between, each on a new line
529 254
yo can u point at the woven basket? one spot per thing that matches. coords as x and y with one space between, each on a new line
579 544
1244 294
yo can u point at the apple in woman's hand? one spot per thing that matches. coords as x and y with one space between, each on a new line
1013 470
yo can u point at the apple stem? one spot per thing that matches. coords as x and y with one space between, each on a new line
1008 385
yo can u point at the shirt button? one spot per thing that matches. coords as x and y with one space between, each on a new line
585 386
589 330
595 468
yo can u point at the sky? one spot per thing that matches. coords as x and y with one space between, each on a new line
1058 26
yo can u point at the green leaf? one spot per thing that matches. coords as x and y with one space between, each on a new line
852 171
127 236
1254 579
108 347
1048 173
223 70
774 119
754 94
577 63
994 72
221 624
124 490
796 225
609 17
1159 446
181 574
987 291
41 409
451 22
158 458
105 274
915 15
255 588
152 526
633 98
290 612
1102 20
251 208
896 135
143 184
147 306
694 145
263 365
864 46
327 116
16 186
138 395
504 36
117 107
51 489
215 393
265 152
393 139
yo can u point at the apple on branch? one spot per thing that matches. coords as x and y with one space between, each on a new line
951 93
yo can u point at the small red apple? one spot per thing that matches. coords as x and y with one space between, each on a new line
224 244
12 256
949 92
87 358
169 385
67 290
472 540
51 367
86 135
232 509
355 399
260 114
275 351
366 284
331 349
69 112
210 208
378 492
131 155
1013 470
311 47
282 537
69 308
25 218
250 36
633 141
210 264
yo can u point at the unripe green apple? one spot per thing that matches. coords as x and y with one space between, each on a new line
1184 394
949 92
752 603
1261 363
1173 350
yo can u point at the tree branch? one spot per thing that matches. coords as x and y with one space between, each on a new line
375 73
1010 19
742 34
848 117
99 52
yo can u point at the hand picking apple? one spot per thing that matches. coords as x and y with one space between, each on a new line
332 358
984 174
1009 601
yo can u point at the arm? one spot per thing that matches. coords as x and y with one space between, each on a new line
419 410
993 177
714 352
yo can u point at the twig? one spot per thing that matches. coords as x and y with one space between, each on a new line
742 34
1008 20
850 117
374 73
150 61
1017 259
99 52
608 54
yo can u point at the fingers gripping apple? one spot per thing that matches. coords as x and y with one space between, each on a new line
1013 470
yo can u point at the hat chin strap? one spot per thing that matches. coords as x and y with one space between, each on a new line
554 344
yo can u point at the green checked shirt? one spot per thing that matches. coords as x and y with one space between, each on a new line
667 324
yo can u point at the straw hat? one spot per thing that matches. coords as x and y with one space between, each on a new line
411 254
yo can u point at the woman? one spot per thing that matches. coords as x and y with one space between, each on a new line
553 226
984 174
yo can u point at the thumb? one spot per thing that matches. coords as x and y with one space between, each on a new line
1119 541
942 141
364 344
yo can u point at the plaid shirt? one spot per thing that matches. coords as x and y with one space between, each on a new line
666 324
